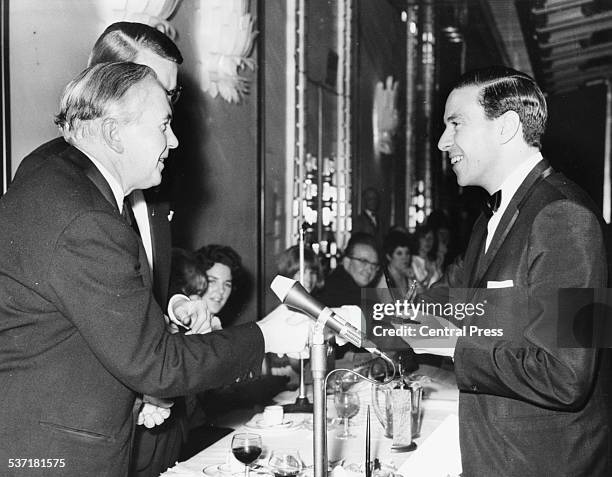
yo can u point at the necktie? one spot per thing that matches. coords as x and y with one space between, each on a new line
128 214
493 202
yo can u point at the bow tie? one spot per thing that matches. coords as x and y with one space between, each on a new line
493 202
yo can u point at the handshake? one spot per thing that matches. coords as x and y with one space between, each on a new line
284 332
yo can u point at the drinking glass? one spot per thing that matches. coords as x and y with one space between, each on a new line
285 462
246 447
347 406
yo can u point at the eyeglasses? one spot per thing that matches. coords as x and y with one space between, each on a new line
174 94
365 263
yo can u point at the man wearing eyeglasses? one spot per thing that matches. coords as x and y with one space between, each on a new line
158 447
359 267
358 270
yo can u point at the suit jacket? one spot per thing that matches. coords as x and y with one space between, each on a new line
158 211
81 333
158 448
527 406
363 223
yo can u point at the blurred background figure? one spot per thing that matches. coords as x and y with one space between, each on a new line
368 221
397 272
425 262
446 247
187 276
289 266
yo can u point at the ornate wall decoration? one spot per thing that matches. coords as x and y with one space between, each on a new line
226 36
151 12
385 116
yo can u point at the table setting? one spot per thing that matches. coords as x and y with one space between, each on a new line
354 436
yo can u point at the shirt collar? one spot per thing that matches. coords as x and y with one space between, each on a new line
514 180
112 182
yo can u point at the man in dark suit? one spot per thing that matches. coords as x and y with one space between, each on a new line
528 406
368 221
158 447
82 335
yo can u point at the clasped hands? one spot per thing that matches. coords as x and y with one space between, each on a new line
191 313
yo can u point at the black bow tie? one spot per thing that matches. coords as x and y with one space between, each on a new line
492 203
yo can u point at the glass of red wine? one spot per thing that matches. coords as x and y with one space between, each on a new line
246 447
285 463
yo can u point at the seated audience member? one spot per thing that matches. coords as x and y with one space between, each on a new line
224 274
223 271
440 224
187 275
288 264
424 262
397 273
357 270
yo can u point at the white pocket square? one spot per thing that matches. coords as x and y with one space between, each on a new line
500 284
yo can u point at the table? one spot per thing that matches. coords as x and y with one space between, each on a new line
439 412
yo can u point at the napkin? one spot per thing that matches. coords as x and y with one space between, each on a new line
426 462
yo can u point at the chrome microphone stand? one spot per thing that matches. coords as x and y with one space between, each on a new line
318 363
301 404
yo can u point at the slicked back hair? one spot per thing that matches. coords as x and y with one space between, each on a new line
93 93
504 89
122 41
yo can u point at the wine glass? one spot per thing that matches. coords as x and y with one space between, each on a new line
347 406
285 462
246 447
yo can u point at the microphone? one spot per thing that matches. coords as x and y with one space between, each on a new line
292 293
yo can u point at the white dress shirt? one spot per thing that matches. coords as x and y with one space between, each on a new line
139 207
509 188
141 214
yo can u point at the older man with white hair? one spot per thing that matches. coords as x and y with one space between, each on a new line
82 335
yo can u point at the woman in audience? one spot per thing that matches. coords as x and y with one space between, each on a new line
224 272
424 263
397 274
288 265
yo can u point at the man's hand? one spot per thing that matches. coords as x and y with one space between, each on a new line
285 331
191 313
154 411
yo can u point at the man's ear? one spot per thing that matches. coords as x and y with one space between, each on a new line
510 126
345 262
111 134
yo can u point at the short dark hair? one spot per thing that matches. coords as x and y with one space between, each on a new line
422 230
214 253
360 238
288 263
504 89
122 41
396 239
186 274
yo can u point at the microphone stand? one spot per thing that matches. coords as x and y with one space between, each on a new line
318 363
301 404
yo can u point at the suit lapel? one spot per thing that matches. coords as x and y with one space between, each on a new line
95 176
540 171
475 252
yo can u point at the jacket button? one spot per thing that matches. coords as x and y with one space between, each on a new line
473 387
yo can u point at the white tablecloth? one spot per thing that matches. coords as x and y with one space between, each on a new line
439 411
